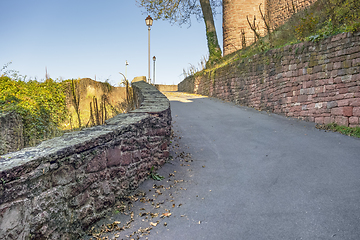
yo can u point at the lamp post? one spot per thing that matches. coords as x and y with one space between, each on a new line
154 59
149 22
126 64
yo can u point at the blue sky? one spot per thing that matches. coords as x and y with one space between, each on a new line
78 39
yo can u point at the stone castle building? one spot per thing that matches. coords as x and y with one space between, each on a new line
236 26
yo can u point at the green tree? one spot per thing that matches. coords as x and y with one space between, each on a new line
180 12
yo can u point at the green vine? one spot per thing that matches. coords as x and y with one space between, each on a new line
214 49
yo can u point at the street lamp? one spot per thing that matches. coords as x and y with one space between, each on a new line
149 22
126 64
154 59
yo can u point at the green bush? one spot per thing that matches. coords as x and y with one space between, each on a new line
42 106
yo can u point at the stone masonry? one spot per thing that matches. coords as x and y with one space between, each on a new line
59 188
235 12
319 82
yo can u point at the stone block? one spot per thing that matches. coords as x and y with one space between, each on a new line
319 120
126 158
97 163
355 102
344 102
348 111
113 156
328 120
331 104
302 98
354 120
343 121
356 111
346 78
64 175
343 90
337 65
337 111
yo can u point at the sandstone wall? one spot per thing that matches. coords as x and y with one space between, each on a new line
58 189
11 132
234 18
166 88
319 82
281 10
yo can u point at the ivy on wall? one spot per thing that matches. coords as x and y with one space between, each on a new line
42 106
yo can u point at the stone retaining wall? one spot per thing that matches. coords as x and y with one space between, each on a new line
319 82
59 188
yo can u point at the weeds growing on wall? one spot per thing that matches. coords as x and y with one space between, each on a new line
75 98
129 102
192 70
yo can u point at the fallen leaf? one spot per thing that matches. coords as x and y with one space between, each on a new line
153 224
153 215
166 214
165 224
173 205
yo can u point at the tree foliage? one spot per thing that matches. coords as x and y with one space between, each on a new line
180 12
177 11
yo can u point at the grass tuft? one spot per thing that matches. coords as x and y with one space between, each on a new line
349 131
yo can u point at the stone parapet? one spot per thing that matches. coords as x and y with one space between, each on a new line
59 188
318 82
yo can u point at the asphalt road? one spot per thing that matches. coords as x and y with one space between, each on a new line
238 173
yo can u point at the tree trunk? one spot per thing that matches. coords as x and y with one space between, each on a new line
212 40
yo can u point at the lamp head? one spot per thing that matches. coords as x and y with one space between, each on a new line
149 21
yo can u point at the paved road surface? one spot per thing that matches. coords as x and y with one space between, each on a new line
245 174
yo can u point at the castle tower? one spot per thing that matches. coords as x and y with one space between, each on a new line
234 22
236 26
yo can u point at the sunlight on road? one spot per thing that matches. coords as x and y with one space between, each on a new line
182 97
